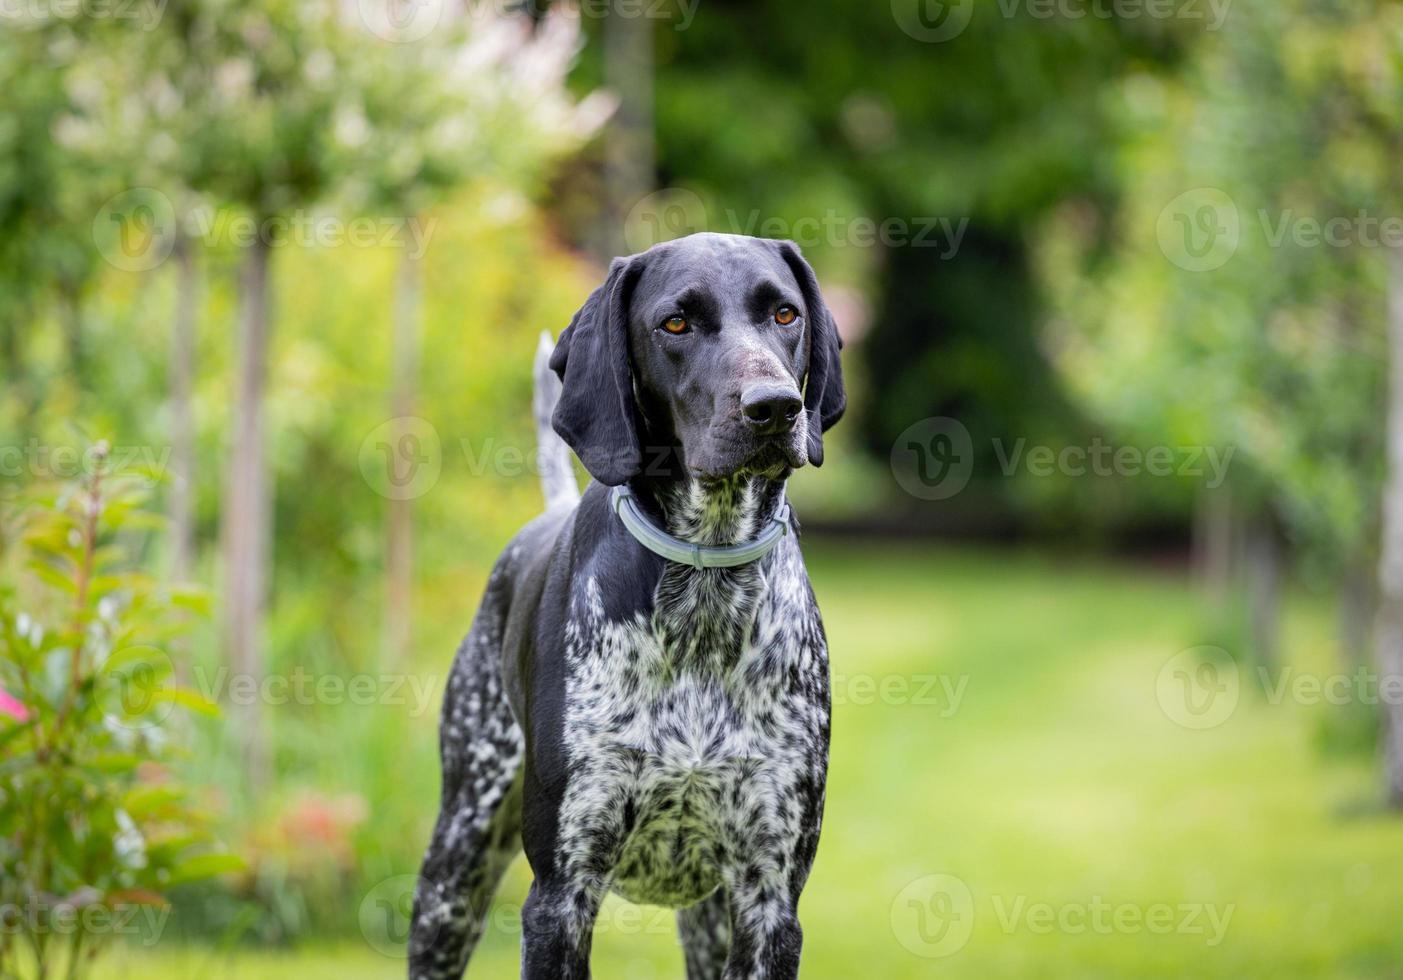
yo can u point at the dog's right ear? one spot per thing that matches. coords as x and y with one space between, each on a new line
595 414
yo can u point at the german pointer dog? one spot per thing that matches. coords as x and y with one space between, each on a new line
642 702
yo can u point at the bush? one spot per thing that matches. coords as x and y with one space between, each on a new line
95 828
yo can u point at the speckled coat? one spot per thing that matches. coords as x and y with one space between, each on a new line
673 747
631 723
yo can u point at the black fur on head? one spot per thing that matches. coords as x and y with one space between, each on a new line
595 415
716 350
825 398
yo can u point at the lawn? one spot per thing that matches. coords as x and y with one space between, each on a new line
1011 795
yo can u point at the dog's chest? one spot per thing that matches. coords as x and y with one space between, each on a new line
695 725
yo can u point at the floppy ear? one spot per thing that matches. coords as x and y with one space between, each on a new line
824 396
595 414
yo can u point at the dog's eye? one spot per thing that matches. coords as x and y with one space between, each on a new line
675 324
786 315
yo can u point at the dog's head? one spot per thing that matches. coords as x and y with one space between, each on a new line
715 347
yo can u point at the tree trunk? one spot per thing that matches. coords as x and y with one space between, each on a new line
399 526
1262 558
246 530
1389 637
1213 542
183 331
629 155
10 359
1356 611
71 318
14 320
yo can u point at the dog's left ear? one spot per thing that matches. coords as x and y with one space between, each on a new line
824 396
595 414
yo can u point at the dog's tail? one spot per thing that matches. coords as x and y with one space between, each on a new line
557 472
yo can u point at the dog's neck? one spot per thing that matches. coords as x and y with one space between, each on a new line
728 511
704 615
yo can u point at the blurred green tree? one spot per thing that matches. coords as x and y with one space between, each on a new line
915 161
481 97
1236 294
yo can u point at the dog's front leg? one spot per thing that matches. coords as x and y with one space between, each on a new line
557 929
573 872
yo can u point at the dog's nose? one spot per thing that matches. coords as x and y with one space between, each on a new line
770 409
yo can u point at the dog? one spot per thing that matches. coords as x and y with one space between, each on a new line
642 702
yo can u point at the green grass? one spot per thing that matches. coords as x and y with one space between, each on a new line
1059 787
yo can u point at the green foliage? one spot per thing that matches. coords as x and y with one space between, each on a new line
482 97
93 822
1279 349
856 118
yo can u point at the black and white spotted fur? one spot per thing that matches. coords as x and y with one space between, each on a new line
634 724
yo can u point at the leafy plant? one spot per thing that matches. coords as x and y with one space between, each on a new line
95 826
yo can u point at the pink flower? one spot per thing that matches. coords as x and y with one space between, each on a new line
12 707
